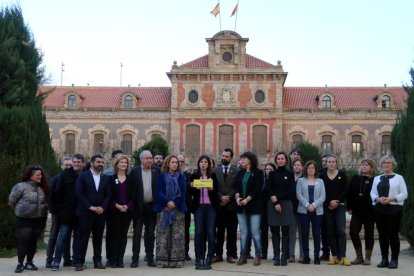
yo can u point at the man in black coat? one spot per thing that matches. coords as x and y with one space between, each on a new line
93 192
144 177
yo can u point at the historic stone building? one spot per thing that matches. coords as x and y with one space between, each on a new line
226 98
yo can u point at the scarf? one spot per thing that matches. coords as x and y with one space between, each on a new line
172 192
384 185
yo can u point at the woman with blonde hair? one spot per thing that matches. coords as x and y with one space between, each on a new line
360 207
120 212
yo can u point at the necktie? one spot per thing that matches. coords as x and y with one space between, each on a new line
225 172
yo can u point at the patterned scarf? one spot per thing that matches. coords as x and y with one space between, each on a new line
172 191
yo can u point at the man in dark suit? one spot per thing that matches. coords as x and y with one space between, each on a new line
93 192
144 177
226 174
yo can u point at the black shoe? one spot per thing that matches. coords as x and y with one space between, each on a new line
306 260
151 263
99 265
109 263
68 263
30 266
264 256
54 266
48 264
383 263
146 258
393 264
317 261
250 257
120 264
276 262
79 267
19 268
187 257
134 264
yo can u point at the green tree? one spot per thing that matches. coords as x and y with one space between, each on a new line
156 145
24 138
310 152
402 148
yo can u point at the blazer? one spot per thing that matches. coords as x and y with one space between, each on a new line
254 190
88 195
162 201
115 192
302 194
226 187
136 180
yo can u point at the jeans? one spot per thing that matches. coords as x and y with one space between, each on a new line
249 224
205 222
335 224
61 243
316 221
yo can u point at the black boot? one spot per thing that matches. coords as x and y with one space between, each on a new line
207 265
384 263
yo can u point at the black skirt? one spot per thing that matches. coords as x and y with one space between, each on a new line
30 222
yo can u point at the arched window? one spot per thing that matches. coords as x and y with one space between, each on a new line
386 101
327 145
326 102
259 139
357 145
155 135
225 137
70 144
385 144
126 144
296 139
128 101
98 144
72 101
192 140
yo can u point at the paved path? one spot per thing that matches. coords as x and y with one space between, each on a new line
406 267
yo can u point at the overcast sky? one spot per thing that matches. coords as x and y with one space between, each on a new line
320 42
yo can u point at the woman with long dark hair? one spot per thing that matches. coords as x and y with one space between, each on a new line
28 199
359 205
204 204
170 207
264 226
388 194
249 198
281 188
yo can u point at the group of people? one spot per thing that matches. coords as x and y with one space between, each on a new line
287 196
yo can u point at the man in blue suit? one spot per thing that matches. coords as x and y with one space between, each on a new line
93 192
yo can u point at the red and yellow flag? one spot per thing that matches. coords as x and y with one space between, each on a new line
216 10
235 10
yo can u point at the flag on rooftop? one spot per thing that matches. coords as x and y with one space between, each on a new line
216 10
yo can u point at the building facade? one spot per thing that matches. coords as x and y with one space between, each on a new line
226 98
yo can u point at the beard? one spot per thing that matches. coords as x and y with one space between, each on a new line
225 162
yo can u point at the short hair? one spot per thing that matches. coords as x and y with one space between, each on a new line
229 150
96 156
332 155
298 160
79 156
252 157
388 157
305 168
65 159
158 153
281 153
141 155
115 152
121 157
296 150
164 167
371 163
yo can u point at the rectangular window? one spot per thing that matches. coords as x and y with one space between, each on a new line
386 144
192 140
126 144
98 143
327 145
259 139
70 144
357 146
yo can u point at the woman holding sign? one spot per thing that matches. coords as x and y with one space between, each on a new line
249 198
204 192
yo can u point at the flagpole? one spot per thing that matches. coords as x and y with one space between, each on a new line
237 13
220 14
